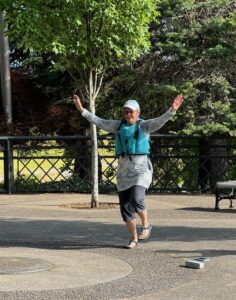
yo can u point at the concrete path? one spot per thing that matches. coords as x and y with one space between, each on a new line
86 248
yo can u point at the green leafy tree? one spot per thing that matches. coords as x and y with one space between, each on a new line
195 42
87 37
193 52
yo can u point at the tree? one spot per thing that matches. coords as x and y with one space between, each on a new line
193 52
87 37
5 71
195 42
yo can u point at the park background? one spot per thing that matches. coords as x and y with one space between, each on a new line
150 51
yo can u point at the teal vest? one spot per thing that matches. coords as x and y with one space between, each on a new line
130 139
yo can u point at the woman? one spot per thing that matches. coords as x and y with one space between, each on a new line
134 173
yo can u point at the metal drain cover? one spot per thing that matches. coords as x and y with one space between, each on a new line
13 265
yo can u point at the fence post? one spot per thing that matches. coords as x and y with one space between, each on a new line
8 167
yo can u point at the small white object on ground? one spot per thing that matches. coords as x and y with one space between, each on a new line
197 263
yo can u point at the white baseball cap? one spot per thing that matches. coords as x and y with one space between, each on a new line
132 104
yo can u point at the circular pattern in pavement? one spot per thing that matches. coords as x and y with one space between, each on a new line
71 269
14 265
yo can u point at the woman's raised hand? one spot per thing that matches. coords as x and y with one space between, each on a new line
78 104
177 102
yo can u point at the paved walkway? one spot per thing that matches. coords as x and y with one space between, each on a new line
89 261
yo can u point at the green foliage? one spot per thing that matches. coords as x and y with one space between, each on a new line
193 53
75 184
23 184
84 34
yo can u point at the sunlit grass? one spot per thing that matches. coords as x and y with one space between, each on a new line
41 166
44 169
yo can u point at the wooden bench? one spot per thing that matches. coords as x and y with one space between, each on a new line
225 190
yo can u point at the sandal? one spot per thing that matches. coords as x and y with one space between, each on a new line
149 229
132 244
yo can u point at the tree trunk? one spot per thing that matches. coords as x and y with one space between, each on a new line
94 200
5 73
92 91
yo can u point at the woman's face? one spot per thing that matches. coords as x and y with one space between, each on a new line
131 116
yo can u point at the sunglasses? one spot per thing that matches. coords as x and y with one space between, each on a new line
128 111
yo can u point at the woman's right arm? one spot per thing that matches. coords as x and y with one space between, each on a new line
108 125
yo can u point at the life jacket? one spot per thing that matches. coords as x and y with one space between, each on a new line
130 139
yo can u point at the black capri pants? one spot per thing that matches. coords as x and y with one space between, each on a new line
131 202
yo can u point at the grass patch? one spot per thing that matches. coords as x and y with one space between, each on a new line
36 162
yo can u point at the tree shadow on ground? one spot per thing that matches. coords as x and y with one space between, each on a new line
79 234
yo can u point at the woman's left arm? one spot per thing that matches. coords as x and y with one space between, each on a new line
152 125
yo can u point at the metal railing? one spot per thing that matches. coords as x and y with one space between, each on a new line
63 163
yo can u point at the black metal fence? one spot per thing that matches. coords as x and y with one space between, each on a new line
63 163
